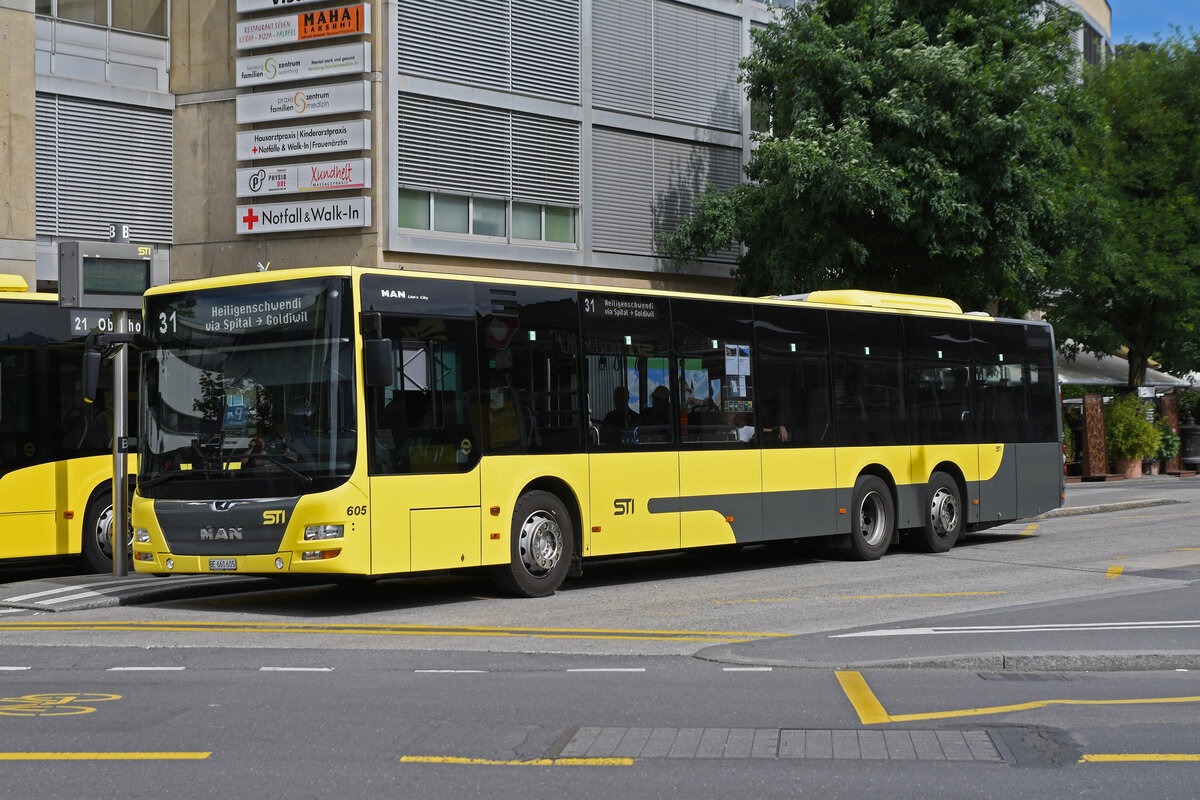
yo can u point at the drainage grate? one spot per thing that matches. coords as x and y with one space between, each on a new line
886 745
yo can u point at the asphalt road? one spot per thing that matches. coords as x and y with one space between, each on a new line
1054 657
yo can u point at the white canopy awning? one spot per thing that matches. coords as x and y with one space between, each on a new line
1090 370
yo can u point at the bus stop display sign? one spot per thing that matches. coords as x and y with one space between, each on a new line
108 275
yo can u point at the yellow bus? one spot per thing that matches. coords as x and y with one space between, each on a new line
56 463
350 421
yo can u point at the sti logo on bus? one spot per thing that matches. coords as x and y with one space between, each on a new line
220 533
622 506
274 517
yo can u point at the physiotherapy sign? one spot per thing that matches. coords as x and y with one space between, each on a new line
323 23
346 59
305 140
350 212
328 176
315 101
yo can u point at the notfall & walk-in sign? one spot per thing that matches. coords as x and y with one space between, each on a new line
349 212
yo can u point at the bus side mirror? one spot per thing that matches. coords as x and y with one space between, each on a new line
91 374
377 362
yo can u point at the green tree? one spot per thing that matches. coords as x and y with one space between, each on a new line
914 146
1137 285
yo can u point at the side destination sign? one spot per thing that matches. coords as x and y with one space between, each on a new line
315 101
350 212
305 140
324 23
297 65
349 173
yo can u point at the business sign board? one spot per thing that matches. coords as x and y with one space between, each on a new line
349 212
247 6
298 65
304 140
278 104
322 23
327 176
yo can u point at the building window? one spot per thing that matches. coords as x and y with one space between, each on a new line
485 216
138 16
1093 45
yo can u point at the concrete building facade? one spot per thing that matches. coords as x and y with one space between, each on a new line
553 139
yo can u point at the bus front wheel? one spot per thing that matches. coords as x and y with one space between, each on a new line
542 541
874 518
98 533
944 520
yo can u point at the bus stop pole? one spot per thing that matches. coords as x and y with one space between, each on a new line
120 518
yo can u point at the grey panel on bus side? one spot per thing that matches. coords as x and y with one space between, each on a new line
1039 478
772 515
998 494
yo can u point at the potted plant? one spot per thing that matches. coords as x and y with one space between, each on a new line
1168 446
1130 437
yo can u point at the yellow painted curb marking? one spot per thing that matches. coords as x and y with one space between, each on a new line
536 762
1102 758
1029 529
1114 571
103 756
872 712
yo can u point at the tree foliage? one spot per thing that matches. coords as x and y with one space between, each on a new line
1137 283
914 146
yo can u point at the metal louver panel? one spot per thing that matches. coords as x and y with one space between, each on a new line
546 156
453 147
682 172
622 192
545 49
622 55
105 163
445 146
643 186
696 54
46 163
462 41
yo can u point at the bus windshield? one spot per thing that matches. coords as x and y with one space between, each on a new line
249 391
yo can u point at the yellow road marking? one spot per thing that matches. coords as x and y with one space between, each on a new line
1114 571
869 709
872 712
160 756
895 596
1101 758
1029 529
536 762
394 630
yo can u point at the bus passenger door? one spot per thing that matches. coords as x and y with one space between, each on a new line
424 444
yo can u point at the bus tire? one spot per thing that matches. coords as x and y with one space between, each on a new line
944 514
542 543
873 523
97 533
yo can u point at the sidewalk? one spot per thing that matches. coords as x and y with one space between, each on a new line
1148 490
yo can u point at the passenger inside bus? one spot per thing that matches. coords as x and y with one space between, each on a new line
621 418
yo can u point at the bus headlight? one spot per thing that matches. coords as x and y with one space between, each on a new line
315 532
142 535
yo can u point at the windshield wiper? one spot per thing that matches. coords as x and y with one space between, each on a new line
280 462
177 473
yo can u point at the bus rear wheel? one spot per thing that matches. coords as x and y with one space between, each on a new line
542 544
874 518
98 533
944 520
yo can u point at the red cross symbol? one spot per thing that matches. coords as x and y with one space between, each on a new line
250 219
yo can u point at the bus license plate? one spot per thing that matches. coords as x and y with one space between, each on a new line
222 564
